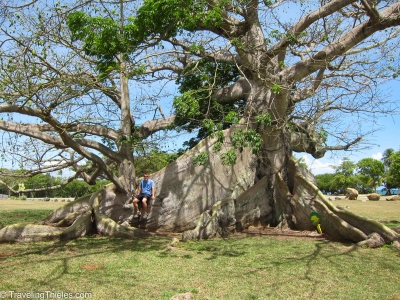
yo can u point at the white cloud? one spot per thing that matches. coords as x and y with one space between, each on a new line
377 156
317 166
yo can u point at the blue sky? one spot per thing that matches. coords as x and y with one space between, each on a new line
387 137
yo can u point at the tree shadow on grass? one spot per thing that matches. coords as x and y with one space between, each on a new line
320 257
65 252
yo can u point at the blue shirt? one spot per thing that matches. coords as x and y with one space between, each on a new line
146 186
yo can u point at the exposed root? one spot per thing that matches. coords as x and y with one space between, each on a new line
36 232
344 223
78 206
220 220
108 227
374 241
74 220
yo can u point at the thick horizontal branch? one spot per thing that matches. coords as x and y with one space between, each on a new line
306 142
237 91
65 139
36 131
389 18
306 21
152 126
33 131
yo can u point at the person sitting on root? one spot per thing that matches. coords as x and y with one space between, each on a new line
146 191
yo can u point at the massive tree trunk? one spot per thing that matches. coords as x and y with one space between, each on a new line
213 199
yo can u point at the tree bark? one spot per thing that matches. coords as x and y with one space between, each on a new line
211 200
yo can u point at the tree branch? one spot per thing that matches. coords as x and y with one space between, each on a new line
26 191
390 17
151 126
237 91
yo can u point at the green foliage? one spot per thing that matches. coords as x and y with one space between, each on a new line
196 48
229 158
102 38
276 89
393 174
269 2
264 119
168 17
249 138
346 168
209 125
187 105
200 159
386 157
323 134
237 43
79 188
217 147
153 161
372 171
195 109
232 117
74 189
276 34
364 176
139 70
325 182
292 40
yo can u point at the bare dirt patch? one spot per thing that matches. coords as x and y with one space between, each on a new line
285 234
282 234
92 267
5 255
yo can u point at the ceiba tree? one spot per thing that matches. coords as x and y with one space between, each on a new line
258 81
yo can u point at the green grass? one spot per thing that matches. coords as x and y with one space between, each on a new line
391 224
9 217
248 268
377 210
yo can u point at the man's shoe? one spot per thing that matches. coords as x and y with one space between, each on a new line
144 216
137 215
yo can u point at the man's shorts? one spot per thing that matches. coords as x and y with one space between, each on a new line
141 196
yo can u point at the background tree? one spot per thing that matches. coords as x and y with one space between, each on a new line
344 175
386 158
63 109
371 170
325 183
153 161
290 83
393 175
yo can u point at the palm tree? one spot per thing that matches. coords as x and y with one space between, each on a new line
386 158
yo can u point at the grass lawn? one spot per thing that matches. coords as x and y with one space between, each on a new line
379 210
248 268
19 211
8 204
245 268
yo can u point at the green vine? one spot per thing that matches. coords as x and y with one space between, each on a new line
229 158
200 159
276 89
